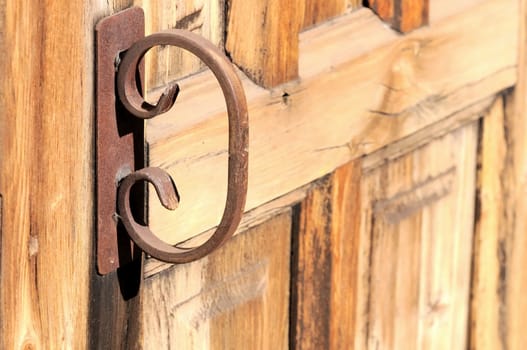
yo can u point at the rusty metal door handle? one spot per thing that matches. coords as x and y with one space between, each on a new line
238 143
129 95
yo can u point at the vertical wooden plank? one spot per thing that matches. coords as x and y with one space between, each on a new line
317 11
46 183
115 309
516 126
344 256
235 298
403 15
262 38
256 310
325 263
488 326
499 308
311 270
416 245
413 14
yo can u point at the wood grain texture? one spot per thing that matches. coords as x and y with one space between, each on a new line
415 246
234 298
325 263
384 8
499 308
165 64
249 220
317 11
302 131
403 15
46 183
488 325
262 39
516 125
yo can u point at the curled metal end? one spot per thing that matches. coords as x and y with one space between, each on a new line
165 188
130 96
168 195
166 100
144 237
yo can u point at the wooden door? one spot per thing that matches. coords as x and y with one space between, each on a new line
385 206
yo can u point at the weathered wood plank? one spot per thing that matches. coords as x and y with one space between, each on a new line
416 245
499 308
325 263
46 157
488 327
344 261
262 38
344 107
317 11
403 15
516 125
236 297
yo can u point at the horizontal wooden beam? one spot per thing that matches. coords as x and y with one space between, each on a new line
394 150
361 87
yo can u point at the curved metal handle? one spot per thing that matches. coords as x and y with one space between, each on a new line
134 102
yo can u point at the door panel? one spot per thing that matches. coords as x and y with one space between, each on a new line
369 240
236 298
416 245
324 281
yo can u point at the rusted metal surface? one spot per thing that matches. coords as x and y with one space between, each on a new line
119 136
133 101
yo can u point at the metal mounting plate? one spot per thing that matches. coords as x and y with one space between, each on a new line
119 137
